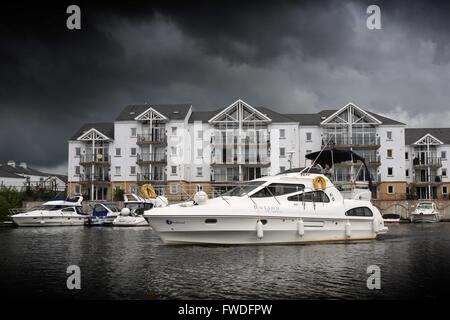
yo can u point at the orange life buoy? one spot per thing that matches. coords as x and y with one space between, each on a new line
319 180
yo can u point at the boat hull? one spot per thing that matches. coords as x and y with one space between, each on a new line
130 222
243 230
48 221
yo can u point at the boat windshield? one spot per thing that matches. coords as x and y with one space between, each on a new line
112 207
243 189
425 206
47 207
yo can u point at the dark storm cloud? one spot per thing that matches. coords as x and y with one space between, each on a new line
292 56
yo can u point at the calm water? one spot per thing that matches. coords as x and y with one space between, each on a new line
133 263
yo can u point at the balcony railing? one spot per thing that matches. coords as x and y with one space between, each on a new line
157 137
146 158
427 162
98 158
225 178
433 179
257 160
345 141
87 178
147 177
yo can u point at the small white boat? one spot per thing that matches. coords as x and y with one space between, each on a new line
103 214
426 212
290 208
135 205
391 218
66 212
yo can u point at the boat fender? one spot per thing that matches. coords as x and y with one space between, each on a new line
375 225
125 212
348 229
301 227
259 230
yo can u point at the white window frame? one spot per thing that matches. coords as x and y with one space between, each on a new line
131 152
282 133
173 151
117 171
444 170
133 132
389 133
443 155
392 170
310 136
77 154
446 190
131 170
282 154
393 189
172 171
118 154
173 131
77 168
199 171
173 189
392 153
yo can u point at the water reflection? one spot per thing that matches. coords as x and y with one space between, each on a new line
133 263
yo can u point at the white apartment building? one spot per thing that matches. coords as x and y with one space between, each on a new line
180 150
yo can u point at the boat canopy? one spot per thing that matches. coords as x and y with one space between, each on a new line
332 156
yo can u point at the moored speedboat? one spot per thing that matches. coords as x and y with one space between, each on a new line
66 212
103 214
391 218
288 208
425 212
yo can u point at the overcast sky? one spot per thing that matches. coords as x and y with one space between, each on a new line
291 56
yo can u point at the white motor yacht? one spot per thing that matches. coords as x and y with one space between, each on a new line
66 212
283 209
426 211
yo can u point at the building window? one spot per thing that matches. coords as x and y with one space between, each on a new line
173 189
133 132
133 152
407 172
282 169
389 135
199 153
282 152
390 171
390 189
77 190
173 169
78 152
117 171
308 136
282 133
444 172
173 151
444 154
444 190
406 155
77 170
174 131
199 171
132 170
389 153
199 134
118 152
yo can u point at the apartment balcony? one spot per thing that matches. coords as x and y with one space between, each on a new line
433 180
96 159
425 162
157 138
372 142
257 160
155 178
95 179
157 158
371 161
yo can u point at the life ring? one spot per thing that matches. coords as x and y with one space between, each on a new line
319 180
148 192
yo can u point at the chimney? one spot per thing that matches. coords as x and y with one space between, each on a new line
23 165
12 163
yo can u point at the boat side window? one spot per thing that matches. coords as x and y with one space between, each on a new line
278 189
79 210
243 189
68 210
359 212
310 196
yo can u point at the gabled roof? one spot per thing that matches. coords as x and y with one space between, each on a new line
106 128
352 107
7 174
312 119
170 111
17 170
204 116
412 135
236 104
